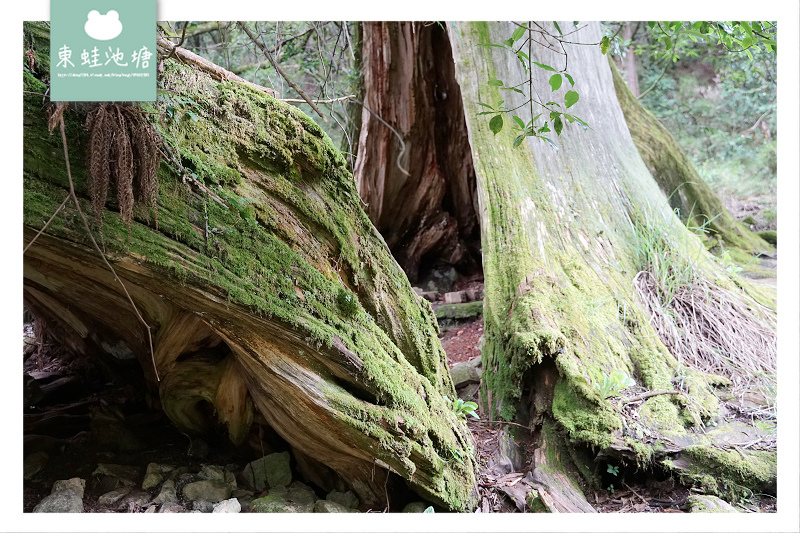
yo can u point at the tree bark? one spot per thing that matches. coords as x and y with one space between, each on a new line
629 60
560 232
414 170
276 304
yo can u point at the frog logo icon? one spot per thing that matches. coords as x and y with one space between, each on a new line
103 27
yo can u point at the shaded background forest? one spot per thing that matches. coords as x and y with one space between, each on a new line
720 106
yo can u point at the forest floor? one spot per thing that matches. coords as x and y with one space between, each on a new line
636 492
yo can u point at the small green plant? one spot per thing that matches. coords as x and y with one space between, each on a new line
613 470
462 408
614 383
611 488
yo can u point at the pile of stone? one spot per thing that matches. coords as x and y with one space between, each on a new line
264 486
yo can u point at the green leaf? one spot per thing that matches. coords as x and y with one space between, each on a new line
555 81
518 141
486 105
571 98
542 65
558 29
429 510
509 42
571 81
518 33
495 83
558 125
604 44
553 145
519 121
496 124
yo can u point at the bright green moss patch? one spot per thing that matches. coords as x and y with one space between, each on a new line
771 236
730 474
583 419
281 235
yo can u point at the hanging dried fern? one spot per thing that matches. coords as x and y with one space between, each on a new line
123 146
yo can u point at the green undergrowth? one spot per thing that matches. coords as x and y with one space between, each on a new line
282 235
689 195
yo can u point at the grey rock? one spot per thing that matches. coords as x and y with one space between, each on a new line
326 506
112 497
155 475
296 498
212 472
135 499
270 471
75 484
464 374
457 297
230 505
509 448
415 507
209 490
202 506
273 503
469 393
124 474
172 507
704 503
168 494
348 499
302 493
60 501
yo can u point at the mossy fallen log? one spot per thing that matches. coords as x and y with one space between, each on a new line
268 293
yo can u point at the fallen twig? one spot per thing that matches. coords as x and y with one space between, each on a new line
650 394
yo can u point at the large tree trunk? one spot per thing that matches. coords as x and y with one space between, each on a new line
414 170
270 297
561 231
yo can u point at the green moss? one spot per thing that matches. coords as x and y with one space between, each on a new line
289 243
771 236
583 419
459 311
698 207
730 474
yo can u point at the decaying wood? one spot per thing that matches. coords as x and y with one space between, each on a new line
420 193
323 342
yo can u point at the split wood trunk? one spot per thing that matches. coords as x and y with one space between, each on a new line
270 297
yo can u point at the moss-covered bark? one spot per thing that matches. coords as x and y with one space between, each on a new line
561 235
267 289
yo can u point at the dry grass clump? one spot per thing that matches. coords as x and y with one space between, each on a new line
715 330
705 326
